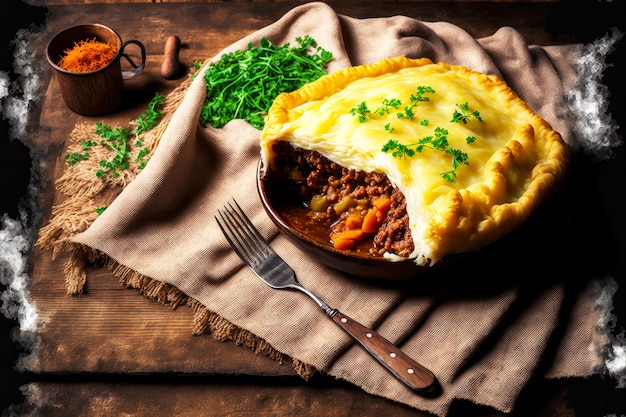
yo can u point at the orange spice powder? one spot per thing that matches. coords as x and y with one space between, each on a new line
87 55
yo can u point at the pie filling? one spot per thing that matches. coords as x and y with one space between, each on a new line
353 210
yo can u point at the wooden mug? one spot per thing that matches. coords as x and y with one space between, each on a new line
97 92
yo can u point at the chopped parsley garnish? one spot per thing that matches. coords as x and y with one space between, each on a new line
150 118
462 115
361 111
116 140
437 142
120 142
243 84
384 107
75 157
416 98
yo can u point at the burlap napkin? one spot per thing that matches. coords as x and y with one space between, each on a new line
485 327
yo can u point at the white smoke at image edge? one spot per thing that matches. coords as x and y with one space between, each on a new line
17 235
598 137
615 359
589 100
598 133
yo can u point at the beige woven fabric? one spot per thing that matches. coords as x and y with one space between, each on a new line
484 330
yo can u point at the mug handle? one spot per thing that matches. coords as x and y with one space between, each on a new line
136 70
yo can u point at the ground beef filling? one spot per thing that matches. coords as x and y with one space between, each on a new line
336 196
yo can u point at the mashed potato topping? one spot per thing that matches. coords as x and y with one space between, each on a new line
514 158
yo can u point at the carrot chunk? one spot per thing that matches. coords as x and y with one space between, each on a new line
371 221
346 239
344 244
352 234
353 222
382 204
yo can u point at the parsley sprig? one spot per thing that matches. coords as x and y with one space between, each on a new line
437 142
362 111
116 140
463 115
243 84
416 99
386 104
150 118
75 157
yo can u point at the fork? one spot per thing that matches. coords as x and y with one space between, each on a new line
254 251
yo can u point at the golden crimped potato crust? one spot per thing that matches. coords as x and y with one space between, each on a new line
515 161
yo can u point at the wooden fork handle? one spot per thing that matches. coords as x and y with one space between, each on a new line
414 375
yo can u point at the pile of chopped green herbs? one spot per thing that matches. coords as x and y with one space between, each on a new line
244 84
121 142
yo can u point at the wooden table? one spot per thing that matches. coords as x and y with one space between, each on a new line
113 352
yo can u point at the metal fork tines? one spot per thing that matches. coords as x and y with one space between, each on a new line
256 253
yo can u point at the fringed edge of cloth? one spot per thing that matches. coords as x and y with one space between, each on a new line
205 321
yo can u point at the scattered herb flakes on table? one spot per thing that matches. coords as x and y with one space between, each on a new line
244 84
120 143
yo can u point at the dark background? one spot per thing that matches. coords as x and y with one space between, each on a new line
15 174
588 19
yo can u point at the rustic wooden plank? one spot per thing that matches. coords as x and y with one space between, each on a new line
280 397
208 27
201 400
112 329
